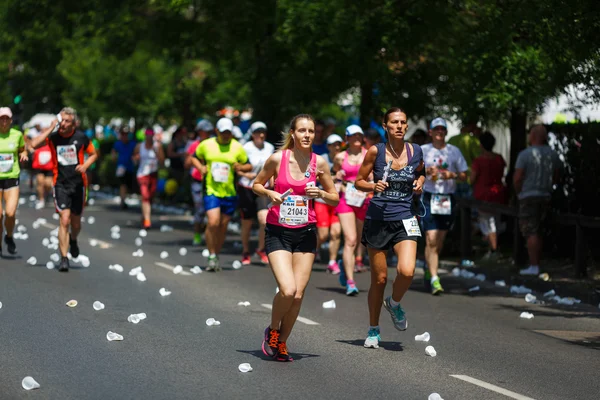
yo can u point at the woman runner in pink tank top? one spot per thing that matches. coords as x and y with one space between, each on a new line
291 238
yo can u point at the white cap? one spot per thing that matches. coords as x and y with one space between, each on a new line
353 130
438 122
237 132
5 112
257 126
334 139
225 124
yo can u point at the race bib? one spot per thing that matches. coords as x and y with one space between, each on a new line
6 162
220 172
67 155
354 197
44 157
441 204
294 211
411 226
121 171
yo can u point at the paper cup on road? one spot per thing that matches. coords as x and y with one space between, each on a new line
329 304
205 253
143 233
164 292
112 336
424 337
212 322
72 303
430 351
98 306
245 367
164 254
178 269
236 264
29 383
182 251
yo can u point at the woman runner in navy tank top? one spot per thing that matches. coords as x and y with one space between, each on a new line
390 222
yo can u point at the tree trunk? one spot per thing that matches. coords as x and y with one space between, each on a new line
518 140
366 104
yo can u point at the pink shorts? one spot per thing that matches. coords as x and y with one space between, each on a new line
326 215
344 208
148 185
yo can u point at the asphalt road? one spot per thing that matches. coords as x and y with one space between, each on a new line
173 354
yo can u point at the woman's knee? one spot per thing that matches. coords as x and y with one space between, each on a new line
350 241
379 280
288 292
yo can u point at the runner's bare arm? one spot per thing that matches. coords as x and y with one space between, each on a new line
135 157
161 154
337 166
90 150
329 194
23 154
247 167
41 138
268 171
366 169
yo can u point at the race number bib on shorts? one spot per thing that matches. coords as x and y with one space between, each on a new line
220 172
67 155
354 197
294 211
441 204
44 157
411 226
6 162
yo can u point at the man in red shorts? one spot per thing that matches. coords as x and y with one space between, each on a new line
68 147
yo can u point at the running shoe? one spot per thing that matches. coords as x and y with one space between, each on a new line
73 248
282 353
397 313
213 263
436 287
351 289
426 278
64 265
147 224
270 342
531 270
342 278
263 256
10 244
333 268
124 206
373 338
246 259
359 266
40 204
197 239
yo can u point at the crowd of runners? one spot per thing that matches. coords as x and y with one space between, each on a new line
374 192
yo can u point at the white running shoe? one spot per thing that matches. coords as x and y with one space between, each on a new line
373 338
531 270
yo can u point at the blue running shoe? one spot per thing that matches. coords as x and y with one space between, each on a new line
342 276
397 313
351 289
373 338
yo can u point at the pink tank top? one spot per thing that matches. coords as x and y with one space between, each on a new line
352 170
296 211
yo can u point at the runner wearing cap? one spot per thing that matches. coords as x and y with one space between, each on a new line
352 207
291 233
12 151
390 223
444 165
203 131
251 205
149 155
218 159
69 148
328 223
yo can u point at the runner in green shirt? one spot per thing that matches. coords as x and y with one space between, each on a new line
12 151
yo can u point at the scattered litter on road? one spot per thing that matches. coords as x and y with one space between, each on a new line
164 292
112 336
327 304
115 228
430 351
32 261
115 235
135 271
177 269
93 242
205 253
164 254
84 260
138 253
166 228
544 276
530 298
45 242
480 277
141 277
50 265
236 264
467 263
500 283
424 337
116 267
520 289
54 257
72 303
91 202
550 293
245 367
55 217
143 233
474 289
526 315
212 322
29 383
98 306
91 220
435 396
244 303
467 274
0 304
22 200
196 270
138 242
134 318
182 251
456 271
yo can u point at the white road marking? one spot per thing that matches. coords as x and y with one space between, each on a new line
491 387
170 268
101 243
301 319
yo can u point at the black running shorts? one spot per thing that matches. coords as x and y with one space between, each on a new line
70 198
293 240
9 183
383 235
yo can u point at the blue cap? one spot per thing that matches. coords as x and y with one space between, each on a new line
438 122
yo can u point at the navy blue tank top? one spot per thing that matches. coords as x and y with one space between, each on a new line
394 204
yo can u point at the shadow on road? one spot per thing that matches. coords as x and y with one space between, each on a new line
261 355
554 310
391 346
